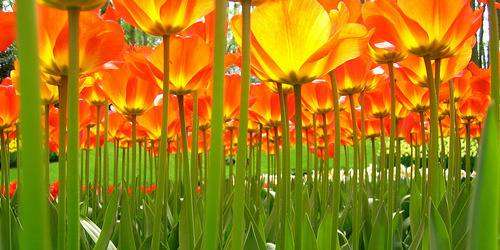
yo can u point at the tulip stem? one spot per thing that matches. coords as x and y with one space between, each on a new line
424 160
7 237
194 143
241 157
96 164
34 221
161 182
298 165
106 154
47 145
392 138
213 198
63 101
433 191
451 149
133 194
355 226
495 92
336 162
285 177
188 199
467 155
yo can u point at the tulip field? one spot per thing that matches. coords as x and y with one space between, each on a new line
253 124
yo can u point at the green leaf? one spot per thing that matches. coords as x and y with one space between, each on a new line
438 237
484 207
93 230
325 231
251 240
104 239
461 224
308 237
173 237
415 209
290 243
378 239
126 237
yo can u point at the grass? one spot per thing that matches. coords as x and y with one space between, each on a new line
54 166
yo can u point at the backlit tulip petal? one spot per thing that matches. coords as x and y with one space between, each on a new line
8 28
163 17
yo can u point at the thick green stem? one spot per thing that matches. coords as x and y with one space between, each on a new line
279 190
212 211
188 199
35 221
96 164
355 176
155 243
47 150
133 192
451 188
194 144
336 162
73 130
424 160
241 158
61 211
383 162
106 157
7 236
392 137
362 160
115 170
325 165
298 165
285 178
467 155
433 191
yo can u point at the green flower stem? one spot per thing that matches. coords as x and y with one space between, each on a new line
87 171
96 165
241 158
325 165
205 165
285 176
62 207
213 199
374 168
495 92
7 237
316 181
308 170
194 144
155 243
188 199
280 225
433 191
362 160
467 155
354 179
258 177
46 138
398 166
424 160
451 188
442 149
116 157
133 193
18 155
73 130
269 168
392 139
35 221
298 166
106 157
336 162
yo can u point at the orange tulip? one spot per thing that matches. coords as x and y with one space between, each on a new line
48 89
317 97
297 41
372 128
83 5
164 17
460 87
469 108
9 105
100 41
421 28
351 76
232 96
116 121
190 64
8 28
129 94
152 120
266 110
413 97
90 134
378 101
93 94
412 69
